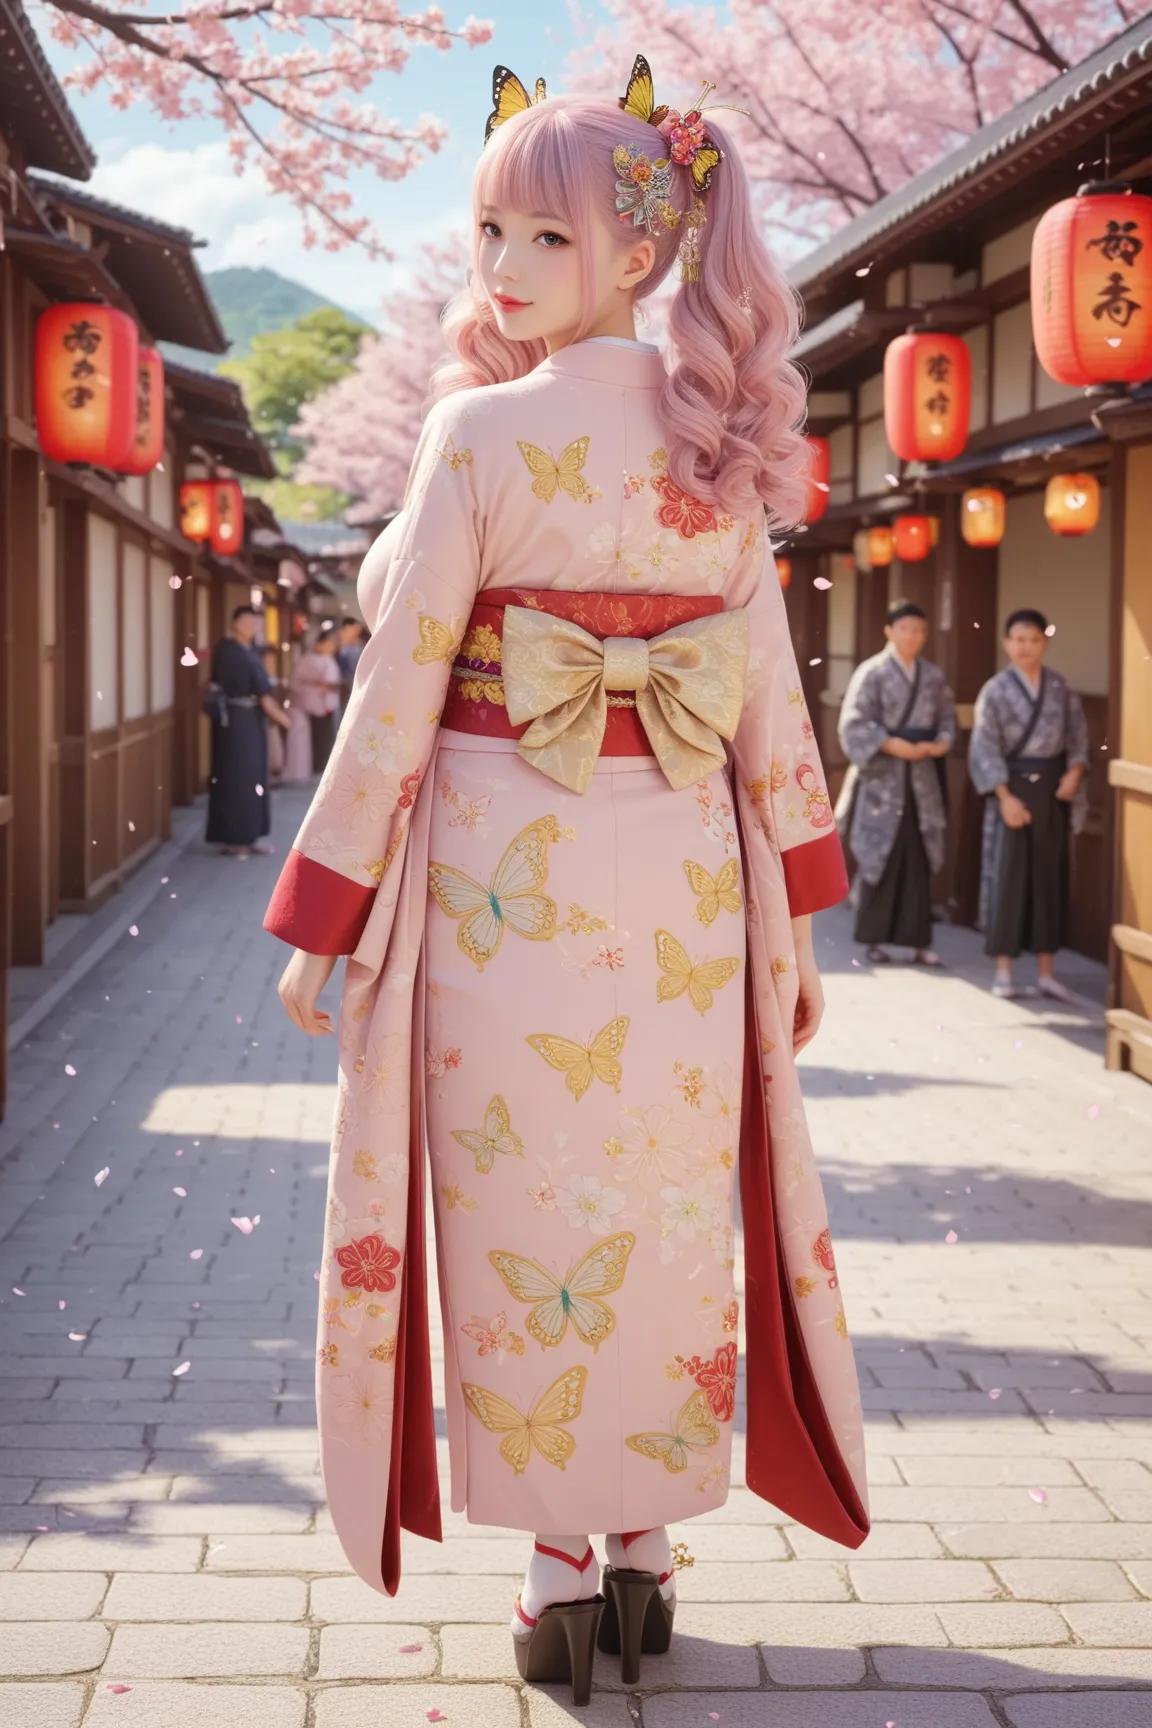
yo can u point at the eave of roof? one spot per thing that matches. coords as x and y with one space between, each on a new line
210 411
152 260
33 104
1116 77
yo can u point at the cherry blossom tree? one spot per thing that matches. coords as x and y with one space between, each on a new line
845 101
280 78
360 434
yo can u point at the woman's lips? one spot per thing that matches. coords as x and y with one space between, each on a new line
508 304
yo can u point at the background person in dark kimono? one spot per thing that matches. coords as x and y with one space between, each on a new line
1029 755
239 813
897 723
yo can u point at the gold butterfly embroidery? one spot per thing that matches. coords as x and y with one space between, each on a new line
511 897
714 892
456 458
584 1063
437 641
509 97
564 471
680 974
693 1430
543 1426
497 1136
574 1297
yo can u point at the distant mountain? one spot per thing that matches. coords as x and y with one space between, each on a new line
250 302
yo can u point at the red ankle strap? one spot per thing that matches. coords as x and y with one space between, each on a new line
525 1619
559 1554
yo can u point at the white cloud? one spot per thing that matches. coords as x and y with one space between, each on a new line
244 224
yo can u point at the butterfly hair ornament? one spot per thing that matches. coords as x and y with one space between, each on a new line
509 98
689 146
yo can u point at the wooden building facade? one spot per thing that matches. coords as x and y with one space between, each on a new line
951 252
100 593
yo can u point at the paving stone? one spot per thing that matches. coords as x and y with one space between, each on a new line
794 1581
1040 1541
95 1552
1070 1580
491 1706
981 1625
922 1581
487 1598
885 1542
44 1706
373 1653
204 1518
236 1552
54 1596
1089 1710
1023 1669
54 1649
803 1667
826 1709
551 1707
1111 1622
152 1705
842 1625
224 1648
200 1597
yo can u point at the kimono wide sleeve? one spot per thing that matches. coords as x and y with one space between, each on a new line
417 586
987 750
780 782
862 730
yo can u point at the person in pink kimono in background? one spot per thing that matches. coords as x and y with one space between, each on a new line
570 839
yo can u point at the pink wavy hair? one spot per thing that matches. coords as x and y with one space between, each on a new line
732 403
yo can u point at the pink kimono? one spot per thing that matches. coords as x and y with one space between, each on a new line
571 972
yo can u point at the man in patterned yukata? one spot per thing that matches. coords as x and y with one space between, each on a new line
1029 756
897 724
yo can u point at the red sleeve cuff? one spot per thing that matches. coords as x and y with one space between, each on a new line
317 909
814 875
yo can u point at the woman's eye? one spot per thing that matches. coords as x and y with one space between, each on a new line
552 241
490 231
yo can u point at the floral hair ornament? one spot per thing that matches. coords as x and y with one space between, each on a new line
689 143
509 98
644 189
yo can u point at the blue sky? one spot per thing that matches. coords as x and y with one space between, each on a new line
183 174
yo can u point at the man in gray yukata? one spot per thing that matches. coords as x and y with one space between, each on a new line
1029 756
897 724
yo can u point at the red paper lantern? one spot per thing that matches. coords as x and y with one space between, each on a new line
149 444
87 366
784 571
818 478
1092 288
912 537
982 516
927 395
880 548
213 511
1072 504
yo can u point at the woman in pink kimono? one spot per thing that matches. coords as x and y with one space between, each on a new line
570 839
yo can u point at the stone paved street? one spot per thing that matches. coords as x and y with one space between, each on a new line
166 1559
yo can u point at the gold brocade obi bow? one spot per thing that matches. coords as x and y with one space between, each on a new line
688 685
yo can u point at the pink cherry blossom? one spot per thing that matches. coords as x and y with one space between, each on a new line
291 84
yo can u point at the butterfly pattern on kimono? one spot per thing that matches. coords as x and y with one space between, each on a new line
543 1428
511 900
437 641
563 473
714 892
577 1297
692 1430
680 973
496 1136
583 1063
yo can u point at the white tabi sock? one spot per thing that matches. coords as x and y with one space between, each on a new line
562 1569
644 1551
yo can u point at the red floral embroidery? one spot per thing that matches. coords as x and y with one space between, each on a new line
409 787
823 1256
718 1379
369 1264
687 515
818 808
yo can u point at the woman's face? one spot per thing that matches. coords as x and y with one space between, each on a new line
531 271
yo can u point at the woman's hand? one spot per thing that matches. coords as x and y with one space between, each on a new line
304 977
810 1001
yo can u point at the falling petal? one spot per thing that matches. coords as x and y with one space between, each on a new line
196 1254
239 1019
183 1369
409 1649
118 1686
175 582
435 1714
183 1192
101 1176
994 1392
69 1070
1040 1495
77 1337
951 1237
40 1529
61 1306
1093 1111
259 790
816 662
189 657
245 1225
821 582
133 929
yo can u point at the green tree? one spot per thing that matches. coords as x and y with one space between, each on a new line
287 368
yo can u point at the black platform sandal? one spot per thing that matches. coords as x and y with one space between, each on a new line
637 1620
561 1641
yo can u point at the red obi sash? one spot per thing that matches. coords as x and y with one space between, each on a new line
475 699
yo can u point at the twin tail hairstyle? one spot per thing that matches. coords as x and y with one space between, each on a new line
732 403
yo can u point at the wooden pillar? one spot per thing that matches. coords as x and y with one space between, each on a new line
72 649
1130 772
29 771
